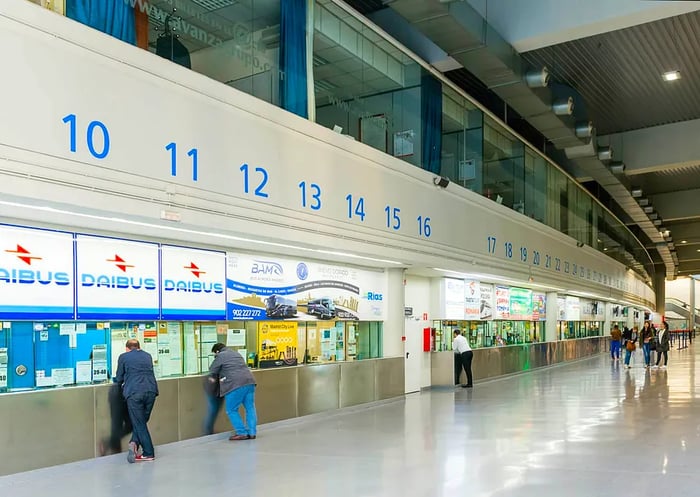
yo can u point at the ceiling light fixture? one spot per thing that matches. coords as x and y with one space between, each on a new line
605 153
637 192
643 201
671 76
684 241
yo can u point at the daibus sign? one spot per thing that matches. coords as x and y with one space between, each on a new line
118 279
193 283
36 274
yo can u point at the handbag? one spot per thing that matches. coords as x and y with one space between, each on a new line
652 344
630 346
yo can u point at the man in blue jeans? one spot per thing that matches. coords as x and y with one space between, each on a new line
236 386
135 375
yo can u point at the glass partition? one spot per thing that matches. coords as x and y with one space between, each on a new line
365 88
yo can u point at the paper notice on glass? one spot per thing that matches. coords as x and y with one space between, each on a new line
81 327
3 376
42 380
63 376
244 353
99 352
44 336
235 338
67 328
99 370
209 334
83 371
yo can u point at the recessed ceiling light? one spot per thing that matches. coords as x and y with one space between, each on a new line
684 241
672 76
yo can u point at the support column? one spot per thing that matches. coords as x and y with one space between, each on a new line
607 319
660 289
551 333
691 305
395 321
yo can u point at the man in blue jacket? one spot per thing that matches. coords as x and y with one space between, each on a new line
135 375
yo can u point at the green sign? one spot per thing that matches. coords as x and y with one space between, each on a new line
521 304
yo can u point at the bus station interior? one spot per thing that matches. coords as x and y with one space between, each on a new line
332 189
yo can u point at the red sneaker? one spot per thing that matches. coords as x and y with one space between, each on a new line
142 458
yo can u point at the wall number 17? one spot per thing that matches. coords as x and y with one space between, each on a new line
492 244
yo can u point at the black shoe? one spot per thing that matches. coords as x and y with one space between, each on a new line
467 386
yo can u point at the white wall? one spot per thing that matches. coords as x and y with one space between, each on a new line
146 102
418 296
679 289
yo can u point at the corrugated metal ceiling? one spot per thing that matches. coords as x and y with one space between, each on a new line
619 73
668 180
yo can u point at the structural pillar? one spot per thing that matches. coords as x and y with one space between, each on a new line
551 332
691 305
660 289
395 320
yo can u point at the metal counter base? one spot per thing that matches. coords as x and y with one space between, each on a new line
500 361
49 427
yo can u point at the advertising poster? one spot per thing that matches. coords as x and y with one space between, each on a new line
263 288
486 299
573 308
36 274
561 306
539 306
453 292
277 344
472 299
117 279
193 284
502 303
521 304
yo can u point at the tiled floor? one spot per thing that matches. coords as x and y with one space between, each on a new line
589 429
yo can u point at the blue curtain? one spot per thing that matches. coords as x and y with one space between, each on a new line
114 17
431 119
293 96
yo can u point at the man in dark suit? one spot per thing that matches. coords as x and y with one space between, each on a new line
135 375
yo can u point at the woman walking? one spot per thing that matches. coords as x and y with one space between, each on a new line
647 336
629 338
663 345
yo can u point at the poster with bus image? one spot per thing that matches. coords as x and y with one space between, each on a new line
265 288
277 344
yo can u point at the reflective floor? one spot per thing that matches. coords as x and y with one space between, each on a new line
584 429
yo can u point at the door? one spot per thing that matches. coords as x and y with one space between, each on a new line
21 356
413 354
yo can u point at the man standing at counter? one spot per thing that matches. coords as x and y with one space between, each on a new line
463 358
135 375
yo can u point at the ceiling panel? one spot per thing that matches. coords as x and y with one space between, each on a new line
619 73
668 180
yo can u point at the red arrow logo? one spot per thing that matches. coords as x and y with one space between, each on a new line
119 262
195 269
23 254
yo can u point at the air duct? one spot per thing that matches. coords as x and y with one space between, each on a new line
459 30
537 78
584 130
605 153
563 107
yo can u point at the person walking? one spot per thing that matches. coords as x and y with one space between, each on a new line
646 336
236 386
463 358
615 339
663 345
140 389
629 338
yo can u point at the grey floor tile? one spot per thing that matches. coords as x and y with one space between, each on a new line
590 428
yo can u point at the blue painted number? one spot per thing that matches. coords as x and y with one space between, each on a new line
359 207
259 191
93 126
315 195
393 214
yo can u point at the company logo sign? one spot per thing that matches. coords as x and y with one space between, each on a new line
24 276
120 263
302 271
375 297
267 268
192 286
90 280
